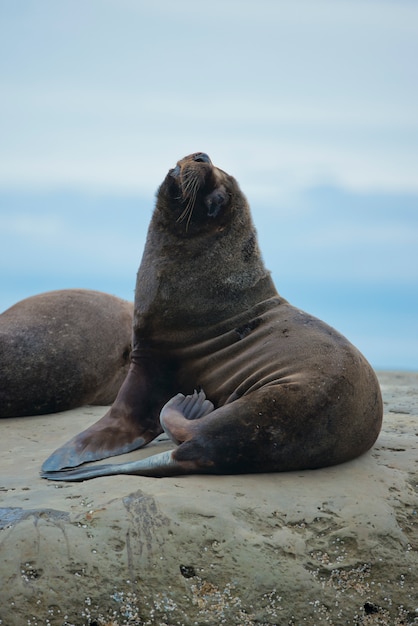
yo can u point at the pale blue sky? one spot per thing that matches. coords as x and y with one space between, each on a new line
312 105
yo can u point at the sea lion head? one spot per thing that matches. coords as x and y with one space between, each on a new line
201 254
196 195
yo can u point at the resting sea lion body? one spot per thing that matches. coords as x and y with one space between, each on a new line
284 390
62 349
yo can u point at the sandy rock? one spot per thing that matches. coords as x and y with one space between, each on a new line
336 546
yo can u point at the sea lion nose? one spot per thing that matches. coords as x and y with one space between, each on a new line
201 157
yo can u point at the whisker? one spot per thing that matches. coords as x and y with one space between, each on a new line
190 187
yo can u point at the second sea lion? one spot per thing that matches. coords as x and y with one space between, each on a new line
62 349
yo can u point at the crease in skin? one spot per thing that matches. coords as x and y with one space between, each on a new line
239 379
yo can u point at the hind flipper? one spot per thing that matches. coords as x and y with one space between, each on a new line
157 466
177 413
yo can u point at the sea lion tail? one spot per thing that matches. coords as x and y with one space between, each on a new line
157 466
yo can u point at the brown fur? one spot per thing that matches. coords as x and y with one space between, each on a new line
63 349
289 392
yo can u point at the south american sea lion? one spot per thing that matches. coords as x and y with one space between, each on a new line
62 349
276 388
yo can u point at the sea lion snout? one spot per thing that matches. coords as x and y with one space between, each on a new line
198 186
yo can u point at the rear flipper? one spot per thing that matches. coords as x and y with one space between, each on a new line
175 416
156 466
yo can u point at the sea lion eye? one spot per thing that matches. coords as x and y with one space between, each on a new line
201 157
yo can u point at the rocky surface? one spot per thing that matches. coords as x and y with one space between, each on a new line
332 546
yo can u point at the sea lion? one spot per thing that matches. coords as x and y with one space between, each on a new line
62 349
284 390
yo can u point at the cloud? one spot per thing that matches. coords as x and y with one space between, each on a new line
311 106
329 234
301 93
68 234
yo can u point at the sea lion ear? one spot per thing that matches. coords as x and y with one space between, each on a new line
215 201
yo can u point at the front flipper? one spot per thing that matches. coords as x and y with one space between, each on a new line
107 437
156 466
130 423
